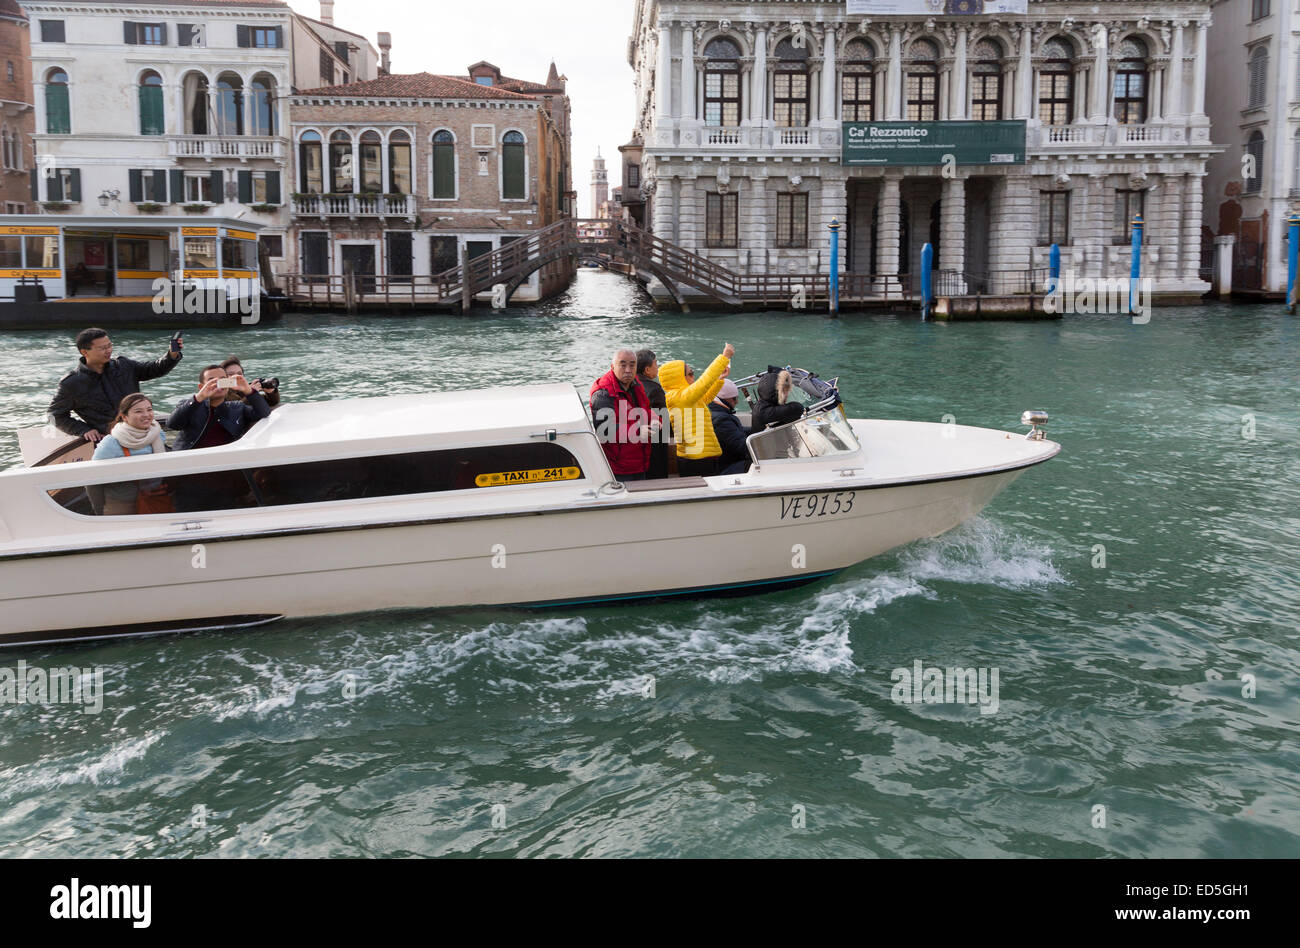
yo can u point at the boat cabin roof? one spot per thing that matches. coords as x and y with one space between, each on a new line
505 414
129 222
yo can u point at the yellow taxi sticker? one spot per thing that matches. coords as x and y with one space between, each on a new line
528 477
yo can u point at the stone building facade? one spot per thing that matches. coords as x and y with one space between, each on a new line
17 112
399 175
1254 103
740 106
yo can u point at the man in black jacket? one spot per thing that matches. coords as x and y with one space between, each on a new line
208 419
729 431
96 387
647 369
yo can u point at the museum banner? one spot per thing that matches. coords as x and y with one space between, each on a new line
931 143
936 7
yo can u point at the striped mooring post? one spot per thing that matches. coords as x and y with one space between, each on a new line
1135 266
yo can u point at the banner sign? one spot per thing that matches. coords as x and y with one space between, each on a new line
936 7
928 143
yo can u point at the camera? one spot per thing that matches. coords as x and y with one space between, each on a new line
269 383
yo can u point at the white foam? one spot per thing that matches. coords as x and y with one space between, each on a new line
981 551
112 762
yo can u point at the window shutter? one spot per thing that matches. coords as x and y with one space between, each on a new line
513 171
184 33
151 110
245 187
74 186
217 196
136 187
128 33
273 187
279 37
177 185
242 34
162 28
58 120
36 184
54 187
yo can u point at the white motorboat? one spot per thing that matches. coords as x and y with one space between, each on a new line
493 497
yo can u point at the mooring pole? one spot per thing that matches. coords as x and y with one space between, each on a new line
1135 266
1292 259
927 261
1053 269
835 267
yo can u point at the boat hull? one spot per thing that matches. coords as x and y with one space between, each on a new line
641 546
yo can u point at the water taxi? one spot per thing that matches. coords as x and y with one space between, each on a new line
85 270
493 497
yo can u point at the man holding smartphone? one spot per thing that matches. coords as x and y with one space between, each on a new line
209 418
96 387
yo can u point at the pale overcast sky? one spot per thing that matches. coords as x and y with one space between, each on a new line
587 39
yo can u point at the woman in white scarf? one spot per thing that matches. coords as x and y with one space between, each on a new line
134 433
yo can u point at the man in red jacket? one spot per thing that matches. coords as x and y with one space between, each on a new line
621 411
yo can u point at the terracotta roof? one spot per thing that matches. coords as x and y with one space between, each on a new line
421 85
12 9
194 3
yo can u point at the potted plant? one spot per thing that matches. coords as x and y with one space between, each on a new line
56 205
194 208
149 207
264 208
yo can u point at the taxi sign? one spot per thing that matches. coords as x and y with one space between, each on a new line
497 479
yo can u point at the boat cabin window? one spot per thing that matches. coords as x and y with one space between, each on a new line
346 479
813 436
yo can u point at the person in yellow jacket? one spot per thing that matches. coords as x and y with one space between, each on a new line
688 400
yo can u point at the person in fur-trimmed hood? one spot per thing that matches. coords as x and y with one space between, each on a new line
773 407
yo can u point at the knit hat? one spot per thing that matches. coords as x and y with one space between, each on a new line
728 390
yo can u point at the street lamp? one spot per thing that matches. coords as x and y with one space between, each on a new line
110 195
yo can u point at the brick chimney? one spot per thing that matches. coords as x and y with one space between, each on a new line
385 44
327 11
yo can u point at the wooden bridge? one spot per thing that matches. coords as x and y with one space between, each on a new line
688 276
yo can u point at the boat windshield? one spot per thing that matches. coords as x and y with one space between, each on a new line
817 435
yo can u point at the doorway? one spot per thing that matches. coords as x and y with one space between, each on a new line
359 259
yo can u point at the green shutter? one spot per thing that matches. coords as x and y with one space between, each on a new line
35 176
128 33
279 37
218 195
444 171
54 187
245 187
151 110
177 194
273 187
513 171
135 177
74 186
242 36
159 193
58 120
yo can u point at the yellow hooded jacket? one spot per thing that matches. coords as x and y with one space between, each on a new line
688 406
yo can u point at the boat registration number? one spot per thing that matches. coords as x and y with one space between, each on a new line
498 478
817 505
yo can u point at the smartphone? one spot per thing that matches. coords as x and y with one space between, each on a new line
225 383
176 340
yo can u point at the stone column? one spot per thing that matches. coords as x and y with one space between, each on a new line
829 113
1099 111
889 222
758 111
957 101
894 112
1169 222
1014 227
664 74
1174 81
1223 250
1193 196
952 223
1024 75
1156 104
1198 89
661 210
1094 230
688 72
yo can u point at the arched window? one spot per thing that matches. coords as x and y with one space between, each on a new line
444 165
399 162
151 104
372 168
5 141
790 85
858 83
722 83
262 105
340 163
986 82
195 89
311 178
1056 84
230 104
1255 147
1131 82
58 114
921 82
512 167
1258 78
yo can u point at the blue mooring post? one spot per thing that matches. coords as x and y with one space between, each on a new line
1135 267
835 266
1292 259
1053 269
927 261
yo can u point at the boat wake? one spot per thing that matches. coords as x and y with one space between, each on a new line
92 768
981 551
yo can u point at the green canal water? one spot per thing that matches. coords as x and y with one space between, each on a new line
771 730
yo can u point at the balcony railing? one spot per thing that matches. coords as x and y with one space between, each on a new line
213 146
1056 136
722 136
354 205
791 136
